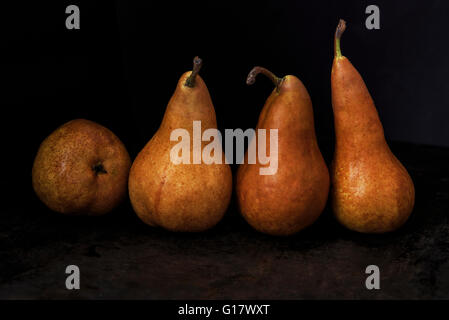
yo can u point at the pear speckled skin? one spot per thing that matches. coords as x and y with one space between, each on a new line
180 197
81 169
372 192
294 197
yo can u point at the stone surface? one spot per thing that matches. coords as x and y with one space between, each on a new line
122 258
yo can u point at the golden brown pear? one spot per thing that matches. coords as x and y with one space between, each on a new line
372 191
294 196
181 197
81 168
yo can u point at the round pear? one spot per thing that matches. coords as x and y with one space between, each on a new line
81 169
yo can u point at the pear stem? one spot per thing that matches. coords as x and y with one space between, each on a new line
197 63
256 70
338 33
98 168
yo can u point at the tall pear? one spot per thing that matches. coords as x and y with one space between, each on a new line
372 191
182 196
292 197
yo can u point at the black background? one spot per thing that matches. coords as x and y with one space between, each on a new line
122 67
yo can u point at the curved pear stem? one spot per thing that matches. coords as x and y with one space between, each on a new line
190 81
256 70
338 33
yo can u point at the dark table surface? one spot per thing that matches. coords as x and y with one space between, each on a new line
121 258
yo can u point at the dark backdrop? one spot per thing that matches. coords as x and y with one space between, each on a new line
121 68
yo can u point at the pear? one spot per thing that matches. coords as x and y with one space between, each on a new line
185 197
372 191
81 169
294 196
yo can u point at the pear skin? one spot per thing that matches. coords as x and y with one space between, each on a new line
372 192
81 169
293 198
181 197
